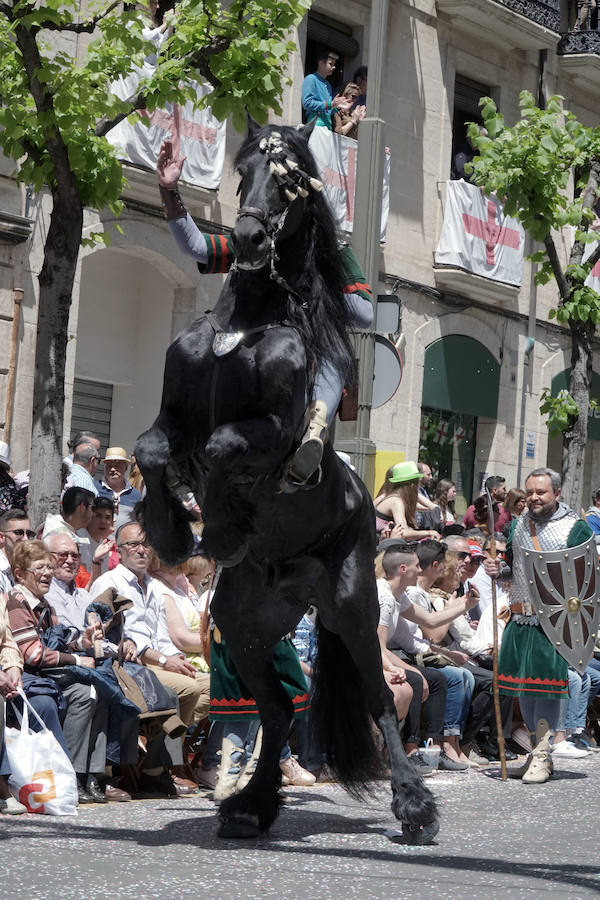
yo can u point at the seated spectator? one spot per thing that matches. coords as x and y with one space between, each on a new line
14 527
592 515
179 623
115 486
515 503
131 580
400 568
95 555
318 101
85 463
572 718
76 514
496 485
397 501
136 479
445 492
11 496
346 121
30 615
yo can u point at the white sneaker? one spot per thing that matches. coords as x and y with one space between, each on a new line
12 807
567 750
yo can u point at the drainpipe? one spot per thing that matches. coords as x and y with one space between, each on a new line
12 366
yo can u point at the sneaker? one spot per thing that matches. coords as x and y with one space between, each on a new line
567 750
471 751
589 739
582 742
207 778
298 776
451 765
422 768
11 807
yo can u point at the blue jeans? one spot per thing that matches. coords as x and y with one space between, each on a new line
573 709
461 684
593 670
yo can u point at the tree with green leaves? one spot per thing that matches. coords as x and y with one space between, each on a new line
546 168
57 107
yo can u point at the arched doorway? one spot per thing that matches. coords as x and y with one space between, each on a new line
460 395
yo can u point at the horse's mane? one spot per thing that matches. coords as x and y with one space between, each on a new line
323 325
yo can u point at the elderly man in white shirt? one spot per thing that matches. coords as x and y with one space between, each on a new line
141 621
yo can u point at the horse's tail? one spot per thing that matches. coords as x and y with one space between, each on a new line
343 727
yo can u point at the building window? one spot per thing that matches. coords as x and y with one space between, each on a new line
467 94
92 409
325 33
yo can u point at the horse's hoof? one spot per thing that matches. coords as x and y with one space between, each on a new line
417 835
239 826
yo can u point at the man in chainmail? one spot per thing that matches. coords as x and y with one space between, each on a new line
531 665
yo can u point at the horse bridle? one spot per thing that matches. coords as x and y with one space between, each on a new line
294 184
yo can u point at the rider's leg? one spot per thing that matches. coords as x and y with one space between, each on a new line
327 394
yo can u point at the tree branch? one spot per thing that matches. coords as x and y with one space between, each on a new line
80 27
593 257
105 124
561 280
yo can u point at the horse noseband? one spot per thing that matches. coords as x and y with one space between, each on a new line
254 212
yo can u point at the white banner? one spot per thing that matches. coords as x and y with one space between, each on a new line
336 157
202 137
478 237
593 279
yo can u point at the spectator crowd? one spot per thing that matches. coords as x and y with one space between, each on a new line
116 653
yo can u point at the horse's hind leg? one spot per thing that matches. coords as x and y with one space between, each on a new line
256 807
164 519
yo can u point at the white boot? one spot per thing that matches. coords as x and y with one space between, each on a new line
250 767
308 456
540 767
229 770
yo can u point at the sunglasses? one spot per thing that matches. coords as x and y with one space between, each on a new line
21 532
463 554
63 556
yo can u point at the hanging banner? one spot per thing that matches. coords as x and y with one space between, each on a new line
478 237
201 136
593 279
336 158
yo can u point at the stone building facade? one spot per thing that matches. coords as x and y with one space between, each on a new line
469 361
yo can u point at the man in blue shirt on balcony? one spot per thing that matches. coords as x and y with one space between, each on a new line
317 94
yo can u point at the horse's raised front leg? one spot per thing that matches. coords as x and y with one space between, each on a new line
164 519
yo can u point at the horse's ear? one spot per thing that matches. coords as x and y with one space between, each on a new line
307 130
253 126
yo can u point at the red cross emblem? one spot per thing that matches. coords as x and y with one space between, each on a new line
180 127
492 233
441 433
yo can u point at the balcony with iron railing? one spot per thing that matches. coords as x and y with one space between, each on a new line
579 47
522 24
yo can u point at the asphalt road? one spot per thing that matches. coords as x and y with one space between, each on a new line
497 840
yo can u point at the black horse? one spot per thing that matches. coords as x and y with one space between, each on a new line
236 388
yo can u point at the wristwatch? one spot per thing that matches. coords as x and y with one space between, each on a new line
162 660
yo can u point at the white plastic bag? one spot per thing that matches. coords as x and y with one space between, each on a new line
41 774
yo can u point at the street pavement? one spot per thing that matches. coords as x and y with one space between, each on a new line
497 840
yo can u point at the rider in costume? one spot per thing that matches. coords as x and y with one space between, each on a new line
531 665
214 254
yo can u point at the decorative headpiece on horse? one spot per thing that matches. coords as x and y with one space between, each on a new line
290 178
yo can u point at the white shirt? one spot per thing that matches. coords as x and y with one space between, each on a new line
482 581
6 579
402 634
141 620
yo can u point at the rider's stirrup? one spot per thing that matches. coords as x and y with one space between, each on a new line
304 471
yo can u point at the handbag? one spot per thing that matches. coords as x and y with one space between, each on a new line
435 659
41 773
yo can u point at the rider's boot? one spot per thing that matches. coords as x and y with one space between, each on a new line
303 470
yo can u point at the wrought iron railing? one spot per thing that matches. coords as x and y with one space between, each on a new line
544 12
584 29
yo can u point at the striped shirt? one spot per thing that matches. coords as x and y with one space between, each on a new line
24 614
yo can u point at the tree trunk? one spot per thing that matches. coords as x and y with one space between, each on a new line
575 437
56 284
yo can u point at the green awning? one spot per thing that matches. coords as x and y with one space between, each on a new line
461 375
561 382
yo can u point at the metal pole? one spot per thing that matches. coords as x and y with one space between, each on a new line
353 437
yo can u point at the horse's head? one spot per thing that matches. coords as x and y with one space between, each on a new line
278 176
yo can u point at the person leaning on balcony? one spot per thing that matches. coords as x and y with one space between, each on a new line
318 101
344 122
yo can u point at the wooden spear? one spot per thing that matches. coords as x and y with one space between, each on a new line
495 689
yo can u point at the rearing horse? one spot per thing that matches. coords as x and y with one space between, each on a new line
236 388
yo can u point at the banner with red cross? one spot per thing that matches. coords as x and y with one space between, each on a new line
201 137
478 237
336 157
593 279
441 432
